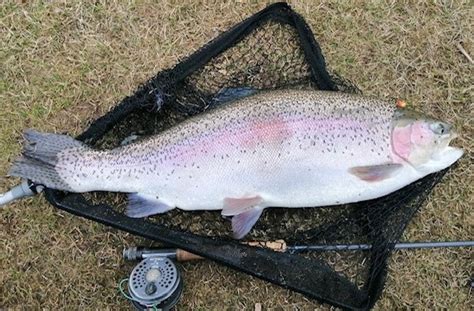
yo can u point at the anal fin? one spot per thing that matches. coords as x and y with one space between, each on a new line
143 205
234 206
243 222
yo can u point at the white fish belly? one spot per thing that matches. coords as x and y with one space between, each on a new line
291 183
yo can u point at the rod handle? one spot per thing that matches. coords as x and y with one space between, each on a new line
182 255
277 246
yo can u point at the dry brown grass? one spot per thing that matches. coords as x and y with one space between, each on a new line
63 65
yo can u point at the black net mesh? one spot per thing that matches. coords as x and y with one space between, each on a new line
273 49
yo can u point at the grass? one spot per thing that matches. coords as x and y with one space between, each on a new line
65 64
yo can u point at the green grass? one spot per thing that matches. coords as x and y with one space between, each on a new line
63 65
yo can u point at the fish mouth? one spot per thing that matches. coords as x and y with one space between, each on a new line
446 157
449 137
453 153
452 135
448 153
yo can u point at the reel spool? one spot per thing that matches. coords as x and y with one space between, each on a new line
155 282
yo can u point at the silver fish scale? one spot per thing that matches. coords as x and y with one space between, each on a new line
263 131
289 106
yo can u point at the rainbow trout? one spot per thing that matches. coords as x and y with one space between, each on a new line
287 148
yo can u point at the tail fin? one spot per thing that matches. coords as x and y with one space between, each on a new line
40 157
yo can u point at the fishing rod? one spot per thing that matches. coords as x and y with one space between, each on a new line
137 253
144 282
398 246
156 281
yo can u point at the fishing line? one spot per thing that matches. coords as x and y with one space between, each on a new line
120 287
125 295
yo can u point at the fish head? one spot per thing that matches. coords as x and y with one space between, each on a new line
423 141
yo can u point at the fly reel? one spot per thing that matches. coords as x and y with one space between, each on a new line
155 282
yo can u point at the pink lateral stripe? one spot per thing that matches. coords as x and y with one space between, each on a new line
248 134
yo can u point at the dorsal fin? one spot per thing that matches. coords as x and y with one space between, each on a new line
230 94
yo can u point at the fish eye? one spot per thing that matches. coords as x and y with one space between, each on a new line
438 128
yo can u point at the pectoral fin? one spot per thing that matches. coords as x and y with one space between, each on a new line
234 206
375 172
243 223
143 205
